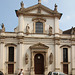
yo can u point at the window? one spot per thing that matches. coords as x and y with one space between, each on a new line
39 27
10 68
11 54
11 59
65 55
65 68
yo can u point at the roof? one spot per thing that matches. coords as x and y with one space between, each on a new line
25 11
69 31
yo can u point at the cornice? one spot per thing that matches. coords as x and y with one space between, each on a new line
65 46
37 14
39 18
10 62
39 46
65 62
20 37
10 44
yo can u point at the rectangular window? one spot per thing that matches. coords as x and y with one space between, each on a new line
11 54
39 27
65 55
10 68
65 68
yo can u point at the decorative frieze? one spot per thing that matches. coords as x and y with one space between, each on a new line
65 41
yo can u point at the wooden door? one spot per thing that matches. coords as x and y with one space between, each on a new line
65 68
10 68
39 64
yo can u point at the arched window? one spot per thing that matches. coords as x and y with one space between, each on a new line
39 27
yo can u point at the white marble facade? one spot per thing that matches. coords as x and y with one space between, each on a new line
28 44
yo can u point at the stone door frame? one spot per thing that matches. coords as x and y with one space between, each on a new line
39 49
33 53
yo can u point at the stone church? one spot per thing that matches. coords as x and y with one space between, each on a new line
37 44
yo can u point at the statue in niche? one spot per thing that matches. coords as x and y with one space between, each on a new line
27 29
51 58
26 58
3 28
50 30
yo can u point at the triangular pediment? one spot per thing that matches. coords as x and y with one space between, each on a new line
39 46
38 9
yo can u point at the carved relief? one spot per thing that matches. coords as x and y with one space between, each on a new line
26 58
27 29
50 30
51 58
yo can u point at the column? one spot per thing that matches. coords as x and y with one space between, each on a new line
73 59
2 57
57 57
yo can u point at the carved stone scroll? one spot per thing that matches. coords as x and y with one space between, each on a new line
26 58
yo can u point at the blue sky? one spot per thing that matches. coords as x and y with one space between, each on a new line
10 20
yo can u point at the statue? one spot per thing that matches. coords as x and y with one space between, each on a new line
22 4
50 30
27 29
26 58
72 31
3 28
55 9
51 58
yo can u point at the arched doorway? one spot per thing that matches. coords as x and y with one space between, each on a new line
39 64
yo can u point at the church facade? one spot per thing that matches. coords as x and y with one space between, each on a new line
37 44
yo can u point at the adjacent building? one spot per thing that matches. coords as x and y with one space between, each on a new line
37 44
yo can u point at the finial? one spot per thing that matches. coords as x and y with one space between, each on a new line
22 4
55 9
39 1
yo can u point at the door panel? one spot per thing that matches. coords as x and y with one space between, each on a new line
39 64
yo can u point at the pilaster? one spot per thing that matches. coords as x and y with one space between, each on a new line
56 25
73 59
32 63
21 24
2 55
20 54
57 55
